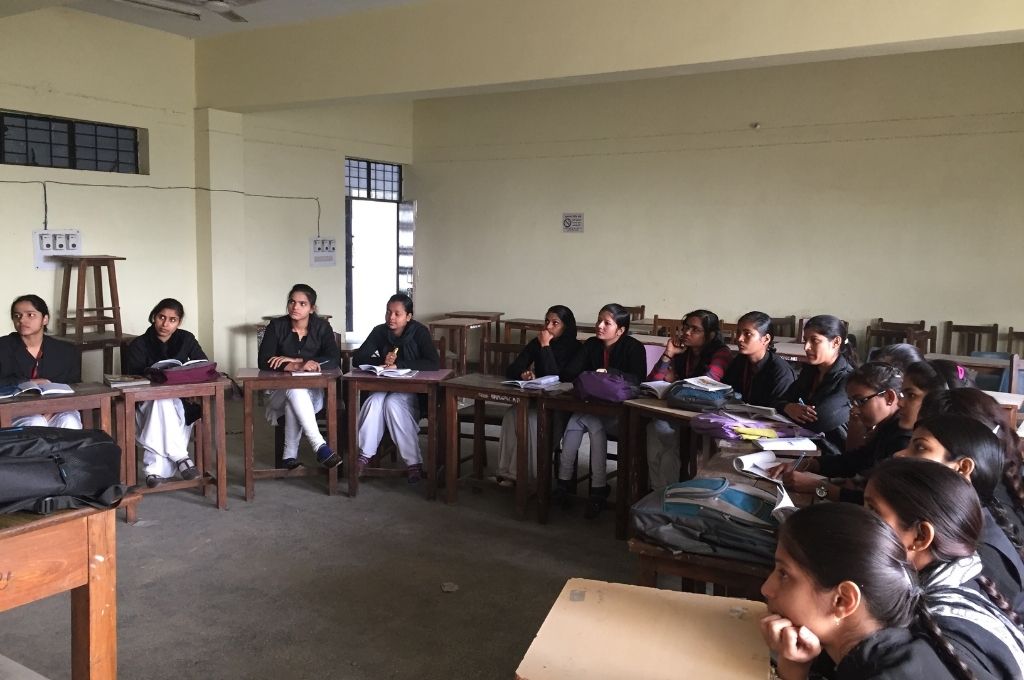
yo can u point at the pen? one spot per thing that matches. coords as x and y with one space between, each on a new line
801 401
796 468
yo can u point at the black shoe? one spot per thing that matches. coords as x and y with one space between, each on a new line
187 469
563 494
290 463
153 481
597 502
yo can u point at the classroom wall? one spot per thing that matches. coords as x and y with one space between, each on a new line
890 186
60 62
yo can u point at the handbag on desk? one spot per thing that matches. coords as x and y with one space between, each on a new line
604 386
192 372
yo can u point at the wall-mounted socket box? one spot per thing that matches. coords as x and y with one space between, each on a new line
46 242
323 252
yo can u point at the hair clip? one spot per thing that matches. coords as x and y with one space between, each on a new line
960 372
995 430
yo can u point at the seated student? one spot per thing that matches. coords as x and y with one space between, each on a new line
817 400
969 447
974 403
842 584
873 390
299 341
545 355
163 425
695 350
757 373
399 342
611 350
937 516
29 354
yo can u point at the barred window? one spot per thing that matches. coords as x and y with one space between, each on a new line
30 139
369 179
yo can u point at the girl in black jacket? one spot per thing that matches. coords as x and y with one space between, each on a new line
817 400
399 342
757 373
28 354
545 355
842 585
614 351
299 341
163 430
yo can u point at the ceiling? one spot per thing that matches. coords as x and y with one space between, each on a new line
259 13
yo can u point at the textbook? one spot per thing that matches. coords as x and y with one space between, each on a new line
783 445
170 363
541 383
702 382
46 389
115 380
656 388
750 409
385 372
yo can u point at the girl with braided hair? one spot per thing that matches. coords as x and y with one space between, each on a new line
842 585
969 447
936 514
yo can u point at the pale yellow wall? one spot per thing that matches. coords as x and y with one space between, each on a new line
890 186
302 153
439 45
65 63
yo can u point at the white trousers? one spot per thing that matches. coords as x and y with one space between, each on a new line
69 420
163 435
598 429
399 413
507 445
663 461
299 407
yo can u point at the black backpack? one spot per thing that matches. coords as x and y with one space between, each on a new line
43 469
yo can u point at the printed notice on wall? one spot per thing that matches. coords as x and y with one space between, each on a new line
572 223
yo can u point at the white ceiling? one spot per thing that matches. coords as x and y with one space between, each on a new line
260 13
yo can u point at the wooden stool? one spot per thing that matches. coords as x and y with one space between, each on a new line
105 320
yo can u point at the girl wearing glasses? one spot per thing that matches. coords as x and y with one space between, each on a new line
28 354
873 391
695 350
757 373
817 400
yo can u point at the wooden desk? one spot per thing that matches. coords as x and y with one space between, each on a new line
492 317
1011 403
641 412
483 388
567 402
72 550
521 325
610 631
254 379
87 397
728 577
424 382
212 395
460 327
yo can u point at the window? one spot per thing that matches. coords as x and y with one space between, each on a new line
47 142
376 181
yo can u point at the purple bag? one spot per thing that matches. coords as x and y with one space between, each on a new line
721 426
611 387
183 375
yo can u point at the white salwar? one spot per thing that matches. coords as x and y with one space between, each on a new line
162 433
299 407
69 420
399 413
508 445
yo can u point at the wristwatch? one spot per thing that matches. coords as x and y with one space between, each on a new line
821 492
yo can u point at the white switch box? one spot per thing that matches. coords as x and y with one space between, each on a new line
46 242
323 252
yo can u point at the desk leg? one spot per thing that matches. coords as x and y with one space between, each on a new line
332 434
247 442
352 455
463 349
94 606
128 453
222 449
105 423
622 495
522 457
637 464
543 462
207 446
452 453
431 462
479 444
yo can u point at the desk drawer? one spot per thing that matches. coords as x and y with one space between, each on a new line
43 562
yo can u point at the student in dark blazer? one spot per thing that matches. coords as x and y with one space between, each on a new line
757 374
164 426
299 341
612 350
29 354
817 399
545 355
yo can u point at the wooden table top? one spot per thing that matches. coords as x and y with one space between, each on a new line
159 388
88 389
1007 399
473 315
492 383
420 377
972 362
457 323
661 407
244 374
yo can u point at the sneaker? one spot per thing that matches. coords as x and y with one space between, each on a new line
326 457
290 463
187 469
415 474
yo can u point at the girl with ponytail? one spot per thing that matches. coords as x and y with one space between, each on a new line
757 373
969 447
937 516
842 584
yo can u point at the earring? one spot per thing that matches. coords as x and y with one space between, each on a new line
838 621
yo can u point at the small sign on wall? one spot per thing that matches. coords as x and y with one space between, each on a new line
572 223
322 252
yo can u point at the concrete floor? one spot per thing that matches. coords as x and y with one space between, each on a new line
301 585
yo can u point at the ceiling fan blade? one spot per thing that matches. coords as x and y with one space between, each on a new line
162 8
231 15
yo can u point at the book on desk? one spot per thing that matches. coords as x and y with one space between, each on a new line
44 389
